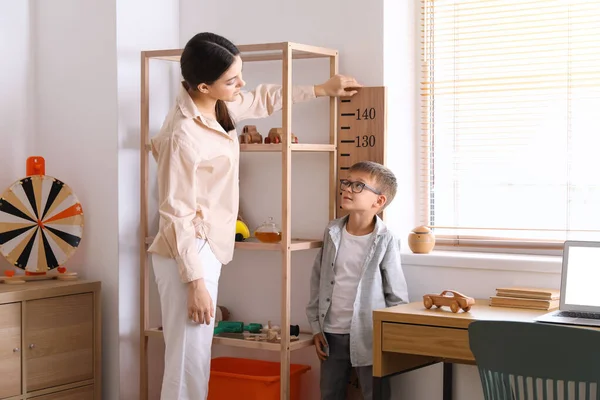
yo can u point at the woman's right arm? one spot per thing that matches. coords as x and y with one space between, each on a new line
177 186
176 170
268 98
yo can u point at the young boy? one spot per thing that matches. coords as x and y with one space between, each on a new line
357 270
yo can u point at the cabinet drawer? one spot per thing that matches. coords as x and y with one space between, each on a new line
59 341
80 393
10 350
423 340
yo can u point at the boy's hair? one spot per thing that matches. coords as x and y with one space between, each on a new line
383 177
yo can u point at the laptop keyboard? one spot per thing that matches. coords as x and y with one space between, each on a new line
577 314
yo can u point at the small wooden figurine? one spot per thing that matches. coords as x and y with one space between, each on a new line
250 135
275 134
451 298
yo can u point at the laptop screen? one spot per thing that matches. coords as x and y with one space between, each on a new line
582 274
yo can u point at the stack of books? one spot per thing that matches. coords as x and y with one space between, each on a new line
523 297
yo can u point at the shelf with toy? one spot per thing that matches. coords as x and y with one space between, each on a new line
304 340
254 244
296 244
295 147
278 148
252 140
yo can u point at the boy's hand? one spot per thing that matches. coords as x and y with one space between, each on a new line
320 344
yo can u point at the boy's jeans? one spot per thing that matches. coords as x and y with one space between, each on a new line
335 371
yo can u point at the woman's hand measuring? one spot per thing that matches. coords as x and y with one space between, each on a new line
338 86
200 304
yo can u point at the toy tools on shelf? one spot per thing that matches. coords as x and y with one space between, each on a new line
254 331
236 327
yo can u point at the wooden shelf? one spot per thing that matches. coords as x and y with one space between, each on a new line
301 147
297 244
257 52
254 244
278 148
285 52
305 340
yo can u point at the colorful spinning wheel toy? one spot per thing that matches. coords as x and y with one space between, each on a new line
41 224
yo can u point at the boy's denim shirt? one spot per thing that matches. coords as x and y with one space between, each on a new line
382 284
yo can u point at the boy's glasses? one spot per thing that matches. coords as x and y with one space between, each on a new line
356 186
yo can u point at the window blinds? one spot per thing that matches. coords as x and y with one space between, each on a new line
510 123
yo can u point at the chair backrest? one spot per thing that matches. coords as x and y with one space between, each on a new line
535 361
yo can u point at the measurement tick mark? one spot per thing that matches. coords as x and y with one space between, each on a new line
345 168
347 141
348 114
345 127
345 154
345 101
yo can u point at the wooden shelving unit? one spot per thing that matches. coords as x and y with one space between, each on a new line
285 52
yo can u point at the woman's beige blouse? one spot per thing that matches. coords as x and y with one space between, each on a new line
198 176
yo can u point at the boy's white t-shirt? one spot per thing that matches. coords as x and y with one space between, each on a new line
347 269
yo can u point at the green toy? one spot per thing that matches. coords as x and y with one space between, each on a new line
237 327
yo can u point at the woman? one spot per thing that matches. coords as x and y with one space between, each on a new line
197 152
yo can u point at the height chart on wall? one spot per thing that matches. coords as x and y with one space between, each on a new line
361 131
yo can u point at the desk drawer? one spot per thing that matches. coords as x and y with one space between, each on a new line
448 343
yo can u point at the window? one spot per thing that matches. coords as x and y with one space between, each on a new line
510 125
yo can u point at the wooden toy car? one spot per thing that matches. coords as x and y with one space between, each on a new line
250 135
451 298
275 136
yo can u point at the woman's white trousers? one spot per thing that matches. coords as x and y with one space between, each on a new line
187 343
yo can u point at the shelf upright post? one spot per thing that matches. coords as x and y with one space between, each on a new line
286 208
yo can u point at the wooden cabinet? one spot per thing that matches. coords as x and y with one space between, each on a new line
50 338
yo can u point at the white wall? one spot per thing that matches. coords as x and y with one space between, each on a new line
17 114
76 98
141 25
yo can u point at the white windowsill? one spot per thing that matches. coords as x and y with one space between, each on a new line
485 261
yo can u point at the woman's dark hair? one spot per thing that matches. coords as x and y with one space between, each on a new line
205 58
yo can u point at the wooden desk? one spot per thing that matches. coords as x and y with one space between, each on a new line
409 336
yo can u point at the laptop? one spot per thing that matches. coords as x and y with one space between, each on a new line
579 294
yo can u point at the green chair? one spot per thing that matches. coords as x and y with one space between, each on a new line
535 361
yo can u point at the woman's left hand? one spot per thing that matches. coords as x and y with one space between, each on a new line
338 86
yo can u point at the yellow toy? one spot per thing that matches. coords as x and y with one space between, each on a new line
241 231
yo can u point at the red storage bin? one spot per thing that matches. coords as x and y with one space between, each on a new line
231 378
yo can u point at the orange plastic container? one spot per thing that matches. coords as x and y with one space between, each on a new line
231 378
